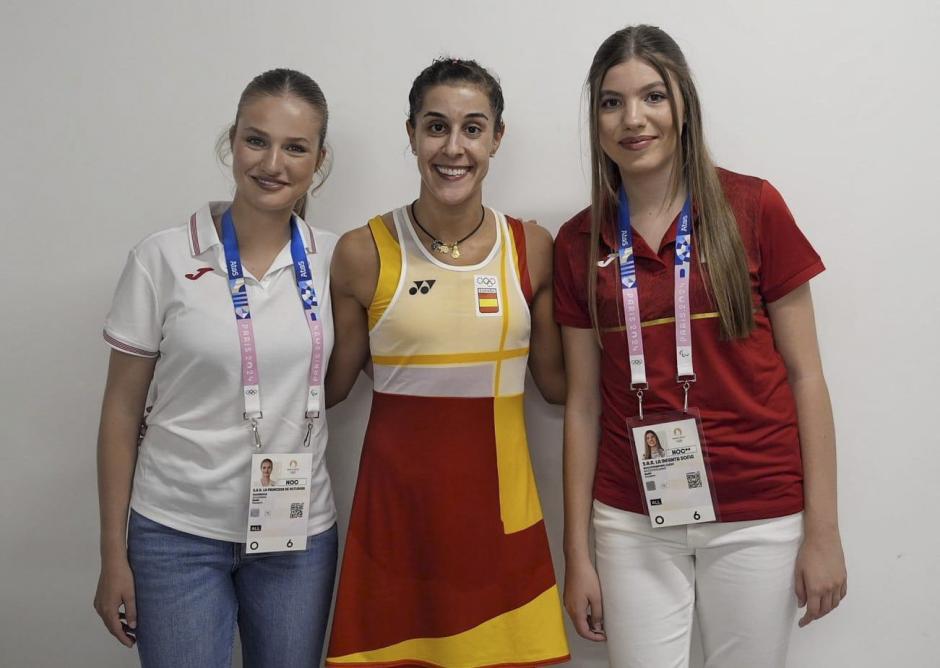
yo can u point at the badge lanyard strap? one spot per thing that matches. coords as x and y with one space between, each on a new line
685 374
251 386
308 297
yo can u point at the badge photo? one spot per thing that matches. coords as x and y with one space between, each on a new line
486 294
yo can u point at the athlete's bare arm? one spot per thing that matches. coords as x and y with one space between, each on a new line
583 599
546 360
353 277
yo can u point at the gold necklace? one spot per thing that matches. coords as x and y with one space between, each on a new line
439 246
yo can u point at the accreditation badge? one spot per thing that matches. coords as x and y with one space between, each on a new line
277 502
672 467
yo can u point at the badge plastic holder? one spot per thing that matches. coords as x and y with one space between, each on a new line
278 505
673 431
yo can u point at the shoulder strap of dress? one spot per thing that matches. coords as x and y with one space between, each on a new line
517 230
389 269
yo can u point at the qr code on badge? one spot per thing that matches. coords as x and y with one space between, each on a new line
650 485
296 510
694 479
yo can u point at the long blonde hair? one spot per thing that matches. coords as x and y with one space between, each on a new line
718 239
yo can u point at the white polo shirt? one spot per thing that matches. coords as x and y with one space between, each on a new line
173 302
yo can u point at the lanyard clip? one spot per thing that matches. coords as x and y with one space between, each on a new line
639 388
311 416
253 422
686 382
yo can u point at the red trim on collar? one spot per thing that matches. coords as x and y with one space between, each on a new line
194 236
312 244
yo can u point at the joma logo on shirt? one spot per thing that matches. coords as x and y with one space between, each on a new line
198 273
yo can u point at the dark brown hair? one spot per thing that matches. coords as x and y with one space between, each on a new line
453 71
647 450
284 82
718 238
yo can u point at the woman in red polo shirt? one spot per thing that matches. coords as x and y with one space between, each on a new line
750 409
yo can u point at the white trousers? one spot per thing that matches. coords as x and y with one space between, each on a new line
736 577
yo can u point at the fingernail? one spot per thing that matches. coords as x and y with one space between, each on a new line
133 625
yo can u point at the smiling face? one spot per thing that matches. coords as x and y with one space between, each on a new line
454 137
651 439
275 151
634 119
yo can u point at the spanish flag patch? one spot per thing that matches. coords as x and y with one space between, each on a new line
487 295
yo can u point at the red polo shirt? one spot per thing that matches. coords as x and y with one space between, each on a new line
748 411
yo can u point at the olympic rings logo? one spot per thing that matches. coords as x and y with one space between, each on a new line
486 281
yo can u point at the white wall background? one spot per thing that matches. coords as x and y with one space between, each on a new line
110 112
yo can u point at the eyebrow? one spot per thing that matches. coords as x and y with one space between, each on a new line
473 114
644 89
259 131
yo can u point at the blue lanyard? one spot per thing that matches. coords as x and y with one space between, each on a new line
631 299
308 297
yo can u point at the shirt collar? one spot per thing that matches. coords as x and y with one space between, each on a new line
203 235
609 233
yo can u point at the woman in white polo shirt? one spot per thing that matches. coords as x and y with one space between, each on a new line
209 316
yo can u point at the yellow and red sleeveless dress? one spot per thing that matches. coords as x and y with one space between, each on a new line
447 561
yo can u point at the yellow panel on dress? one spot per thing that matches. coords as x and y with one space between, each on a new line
495 642
519 505
389 269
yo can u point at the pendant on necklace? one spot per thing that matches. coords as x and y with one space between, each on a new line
439 246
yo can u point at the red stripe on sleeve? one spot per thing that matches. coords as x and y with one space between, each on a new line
117 344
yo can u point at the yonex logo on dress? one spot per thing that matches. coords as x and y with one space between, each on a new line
424 287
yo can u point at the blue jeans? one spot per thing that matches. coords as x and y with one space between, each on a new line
191 591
